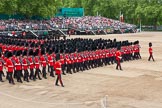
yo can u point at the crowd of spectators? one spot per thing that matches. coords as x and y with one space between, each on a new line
88 23
80 23
12 25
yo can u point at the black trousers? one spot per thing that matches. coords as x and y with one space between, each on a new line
118 64
15 74
49 69
44 72
63 68
18 74
139 55
10 78
52 71
32 74
59 79
151 57
21 73
37 71
1 73
26 75
69 66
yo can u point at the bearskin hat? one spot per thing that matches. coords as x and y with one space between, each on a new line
30 52
118 47
57 56
24 53
150 44
9 54
36 53
42 51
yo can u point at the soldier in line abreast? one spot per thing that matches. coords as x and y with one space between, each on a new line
18 67
51 63
31 65
37 65
68 64
1 68
43 63
62 60
25 64
137 50
10 68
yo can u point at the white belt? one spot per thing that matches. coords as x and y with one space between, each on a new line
25 64
36 63
17 64
10 66
31 63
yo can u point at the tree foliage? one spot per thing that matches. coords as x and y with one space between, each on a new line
43 8
147 11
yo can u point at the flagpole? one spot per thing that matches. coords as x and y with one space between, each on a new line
140 25
119 15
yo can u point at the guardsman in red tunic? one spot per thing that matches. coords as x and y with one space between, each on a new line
68 63
138 50
13 58
25 64
10 68
18 67
37 64
50 62
44 63
31 65
62 60
1 69
118 58
150 52
58 71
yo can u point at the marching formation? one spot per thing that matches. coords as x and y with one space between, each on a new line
26 60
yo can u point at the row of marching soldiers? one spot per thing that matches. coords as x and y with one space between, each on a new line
29 64
26 64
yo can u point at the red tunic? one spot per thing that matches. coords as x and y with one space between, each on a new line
150 50
58 67
31 62
62 59
1 66
17 64
9 66
50 60
118 54
43 61
25 64
36 62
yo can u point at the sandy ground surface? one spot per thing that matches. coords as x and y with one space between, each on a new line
139 85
